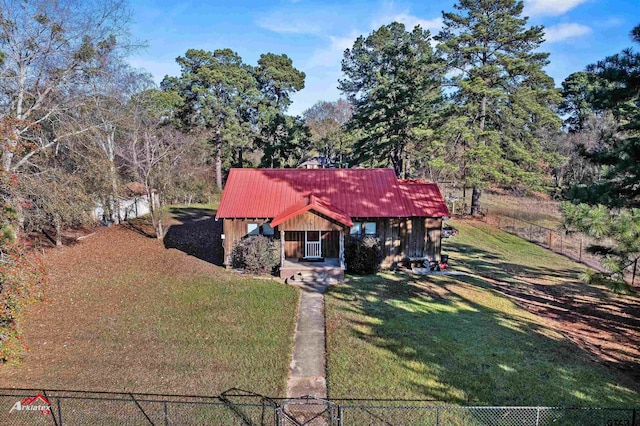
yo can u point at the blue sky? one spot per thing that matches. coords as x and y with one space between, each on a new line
315 33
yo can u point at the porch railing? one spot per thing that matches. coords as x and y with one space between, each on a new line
314 249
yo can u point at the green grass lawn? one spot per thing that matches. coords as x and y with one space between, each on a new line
496 254
127 314
535 210
459 340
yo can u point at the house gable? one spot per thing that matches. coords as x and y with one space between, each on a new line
310 221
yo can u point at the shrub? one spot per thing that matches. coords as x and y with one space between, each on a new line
363 255
22 275
256 255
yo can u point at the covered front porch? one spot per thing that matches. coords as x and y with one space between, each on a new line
312 239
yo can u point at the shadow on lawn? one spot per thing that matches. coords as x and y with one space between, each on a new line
494 266
572 302
485 354
197 233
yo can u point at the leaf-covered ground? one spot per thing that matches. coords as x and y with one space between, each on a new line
127 314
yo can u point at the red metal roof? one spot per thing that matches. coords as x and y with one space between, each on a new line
423 196
312 203
267 193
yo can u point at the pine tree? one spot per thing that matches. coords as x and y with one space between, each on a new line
218 92
394 81
610 208
501 92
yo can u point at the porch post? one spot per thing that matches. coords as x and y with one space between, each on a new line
342 247
282 248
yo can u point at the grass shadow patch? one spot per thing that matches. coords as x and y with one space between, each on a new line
195 231
446 339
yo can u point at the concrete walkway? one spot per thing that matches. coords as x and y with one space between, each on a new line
307 373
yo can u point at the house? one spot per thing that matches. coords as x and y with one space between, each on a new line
319 162
313 211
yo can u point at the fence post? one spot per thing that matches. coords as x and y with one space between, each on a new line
437 416
166 413
538 416
580 254
59 411
340 414
633 417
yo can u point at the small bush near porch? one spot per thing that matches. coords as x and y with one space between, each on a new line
363 255
256 255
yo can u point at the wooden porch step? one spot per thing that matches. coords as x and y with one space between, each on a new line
327 275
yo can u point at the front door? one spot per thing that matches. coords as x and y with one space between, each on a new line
313 245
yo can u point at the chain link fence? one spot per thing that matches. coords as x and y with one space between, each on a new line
235 407
572 245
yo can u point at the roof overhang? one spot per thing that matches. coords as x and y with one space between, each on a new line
312 203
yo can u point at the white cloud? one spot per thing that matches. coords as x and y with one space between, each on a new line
562 32
331 55
550 7
389 13
610 22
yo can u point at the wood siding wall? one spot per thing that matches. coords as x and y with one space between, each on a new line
403 238
309 221
235 230
400 238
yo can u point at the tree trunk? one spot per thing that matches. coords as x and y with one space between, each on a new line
406 166
219 159
115 210
477 192
155 212
475 200
398 165
158 211
58 227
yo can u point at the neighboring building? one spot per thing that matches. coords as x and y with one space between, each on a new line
313 211
134 203
318 162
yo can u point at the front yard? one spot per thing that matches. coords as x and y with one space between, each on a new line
126 314
521 330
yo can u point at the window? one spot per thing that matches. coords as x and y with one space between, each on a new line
253 229
267 229
370 229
